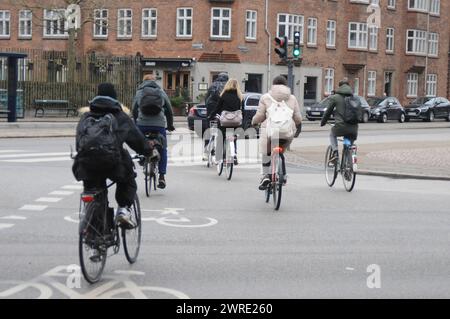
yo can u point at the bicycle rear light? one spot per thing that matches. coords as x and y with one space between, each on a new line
87 198
278 149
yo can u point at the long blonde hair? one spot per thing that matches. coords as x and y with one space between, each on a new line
232 84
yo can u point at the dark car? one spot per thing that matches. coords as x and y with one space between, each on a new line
385 108
198 112
428 109
316 111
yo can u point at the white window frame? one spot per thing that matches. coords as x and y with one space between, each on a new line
432 85
312 31
99 23
3 69
418 5
433 44
292 23
5 22
125 19
371 83
329 81
361 34
373 38
152 17
390 40
221 19
184 18
412 85
356 86
435 7
50 16
419 42
251 22
331 34
25 24
391 4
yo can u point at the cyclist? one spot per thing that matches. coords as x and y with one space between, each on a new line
279 92
336 104
212 99
123 174
156 119
230 100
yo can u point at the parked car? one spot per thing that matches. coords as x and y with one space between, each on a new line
383 109
428 109
198 112
316 111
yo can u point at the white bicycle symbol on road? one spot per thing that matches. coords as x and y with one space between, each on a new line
117 287
168 217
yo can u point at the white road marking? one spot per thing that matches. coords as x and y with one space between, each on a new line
39 160
3 226
34 155
77 187
14 217
349 268
48 199
61 193
33 207
10 151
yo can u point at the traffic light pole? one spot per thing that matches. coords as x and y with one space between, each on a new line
290 64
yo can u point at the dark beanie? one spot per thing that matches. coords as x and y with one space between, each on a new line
107 89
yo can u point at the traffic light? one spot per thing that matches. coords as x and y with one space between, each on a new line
297 50
282 49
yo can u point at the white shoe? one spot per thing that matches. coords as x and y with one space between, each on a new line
124 217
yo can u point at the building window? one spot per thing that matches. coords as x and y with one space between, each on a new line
125 23
331 33
416 42
390 32
435 7
433 44
356 86
373 38
371 83
391 4
55 24
288 24
329 81
184 22
25 23
250 25
312 31
100 23
149 23
412 84
431 85
3 69
418 5
5 22
357 35
221 23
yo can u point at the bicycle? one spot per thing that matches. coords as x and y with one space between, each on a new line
150 166
211 147
347 166
99 231
279 176
227 160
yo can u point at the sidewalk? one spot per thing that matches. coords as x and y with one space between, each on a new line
430 160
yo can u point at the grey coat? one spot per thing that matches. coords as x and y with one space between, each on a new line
163 119
336 104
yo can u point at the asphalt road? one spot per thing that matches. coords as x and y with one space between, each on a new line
206 237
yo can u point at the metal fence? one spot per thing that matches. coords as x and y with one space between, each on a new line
48 75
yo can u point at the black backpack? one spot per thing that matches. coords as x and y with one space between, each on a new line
151 102
352 109
98 146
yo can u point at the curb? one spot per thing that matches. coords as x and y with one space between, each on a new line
402 175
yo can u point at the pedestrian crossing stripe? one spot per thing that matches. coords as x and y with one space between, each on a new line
3 226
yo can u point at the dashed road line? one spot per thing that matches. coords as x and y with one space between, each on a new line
48 199
61 193
4 226
77 187
33 207
13 217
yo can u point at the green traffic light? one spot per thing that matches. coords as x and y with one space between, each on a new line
296 53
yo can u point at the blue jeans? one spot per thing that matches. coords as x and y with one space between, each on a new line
161 130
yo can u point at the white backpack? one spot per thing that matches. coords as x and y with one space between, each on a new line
280 124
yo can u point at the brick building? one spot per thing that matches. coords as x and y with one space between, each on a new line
187 42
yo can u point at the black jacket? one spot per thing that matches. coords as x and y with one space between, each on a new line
229 101
127 132
213 95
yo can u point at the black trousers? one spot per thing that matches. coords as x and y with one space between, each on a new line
125 191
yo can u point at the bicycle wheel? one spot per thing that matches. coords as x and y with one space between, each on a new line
209 150
229 163
348 175
330 167
277 183
154 174
267 193
148 178
92 248
132 237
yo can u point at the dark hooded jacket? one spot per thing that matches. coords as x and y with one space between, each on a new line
336 104
229 101
213 94
127 132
